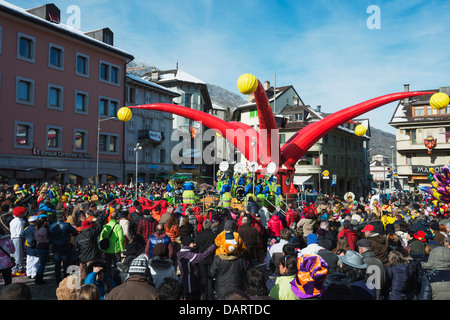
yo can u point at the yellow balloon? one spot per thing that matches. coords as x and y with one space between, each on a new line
360 130
439 100
124 114
247 83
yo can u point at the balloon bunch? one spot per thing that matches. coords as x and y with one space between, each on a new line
439 190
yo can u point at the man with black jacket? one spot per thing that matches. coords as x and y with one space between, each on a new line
86 246
203 241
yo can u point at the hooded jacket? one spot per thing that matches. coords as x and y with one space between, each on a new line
436 282
380 247
229 272
86 245
274 226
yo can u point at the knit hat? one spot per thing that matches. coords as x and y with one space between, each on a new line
139 265
311 275
17 211
311 239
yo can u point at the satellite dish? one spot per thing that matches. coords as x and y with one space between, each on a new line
253 166
239 168
272 168
223 166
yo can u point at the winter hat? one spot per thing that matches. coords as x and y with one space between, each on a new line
17 211
311 239
311 275
139 265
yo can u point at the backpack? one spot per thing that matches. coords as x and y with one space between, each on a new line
30 242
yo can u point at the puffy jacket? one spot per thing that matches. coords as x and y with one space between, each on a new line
307 226
436 283
274 226
116 240
229 272
400 280
291 217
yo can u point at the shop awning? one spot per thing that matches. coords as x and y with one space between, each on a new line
300 180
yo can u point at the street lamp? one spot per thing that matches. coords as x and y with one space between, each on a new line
392 166
98 144
253 143
138 147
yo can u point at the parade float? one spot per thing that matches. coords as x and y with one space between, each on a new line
269 161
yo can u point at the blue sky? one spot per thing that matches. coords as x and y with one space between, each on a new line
321 47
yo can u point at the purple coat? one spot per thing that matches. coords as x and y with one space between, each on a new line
189 262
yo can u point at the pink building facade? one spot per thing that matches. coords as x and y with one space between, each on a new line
59 89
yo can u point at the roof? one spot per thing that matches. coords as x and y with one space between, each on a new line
59 27
270 95
178 75
152 84
403 114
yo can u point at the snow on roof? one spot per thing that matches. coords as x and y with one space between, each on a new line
60 26
152 84
400 114
218 107
179 75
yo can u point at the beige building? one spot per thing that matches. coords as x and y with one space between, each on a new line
415 122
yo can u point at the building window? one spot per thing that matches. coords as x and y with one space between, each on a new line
131 95
81 102
82 65
108 107
55 97
55 57
80 140
109 143
26 47
24 91
109 73
408 159
253 113
411 135
282 138
447 135
187 100
54 135
162 154
419 111
23 133
1 38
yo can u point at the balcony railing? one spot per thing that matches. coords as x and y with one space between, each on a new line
151 136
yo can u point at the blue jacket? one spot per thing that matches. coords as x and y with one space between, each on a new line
154 240
60 233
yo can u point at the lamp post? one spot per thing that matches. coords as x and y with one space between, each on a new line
98 144
254 162
392 166
136 149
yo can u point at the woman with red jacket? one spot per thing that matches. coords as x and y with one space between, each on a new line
274 227
349 233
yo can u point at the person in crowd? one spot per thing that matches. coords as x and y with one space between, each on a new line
6 258
17 226
97 275
137 285
400 277
375 269
30 246
147 225
310 277
251 238
86 246
380 245
435 283
255 285
112 233
161 267
16 291
60 235
229 265
43 242
281 288
88 292
188 262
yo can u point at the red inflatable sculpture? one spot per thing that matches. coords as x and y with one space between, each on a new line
267 139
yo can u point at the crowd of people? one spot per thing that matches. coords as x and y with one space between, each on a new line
108 243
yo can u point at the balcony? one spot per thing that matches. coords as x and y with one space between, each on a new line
155 137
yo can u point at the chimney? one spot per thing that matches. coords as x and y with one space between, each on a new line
48 12
296 101
266 85
105 35
406 89
319 108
